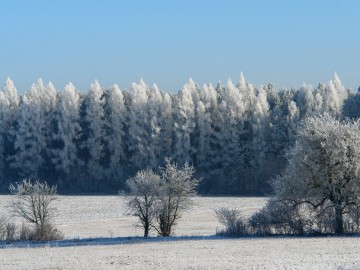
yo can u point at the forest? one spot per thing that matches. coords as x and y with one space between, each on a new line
234 134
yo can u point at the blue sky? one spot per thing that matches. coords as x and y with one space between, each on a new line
282 42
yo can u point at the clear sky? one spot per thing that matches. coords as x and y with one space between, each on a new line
167 42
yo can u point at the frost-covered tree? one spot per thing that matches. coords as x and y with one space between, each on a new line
11 95
4 126
177 188
138 126
27 157
232 108
352 105
48 106
95 119
203 133
33 201
184 123
9 102
160 200
254 141
155 124
333 95
282 127
115 112
323 169
32 132
143 200
166 125
67 132
305 100
215 160
242 83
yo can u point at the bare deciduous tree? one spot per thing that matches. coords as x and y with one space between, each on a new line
178 186
144 189
33 202
160 200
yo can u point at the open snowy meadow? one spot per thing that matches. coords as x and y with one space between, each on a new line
99 235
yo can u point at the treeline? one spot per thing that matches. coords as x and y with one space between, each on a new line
234 135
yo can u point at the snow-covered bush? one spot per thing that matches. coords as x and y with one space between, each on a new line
235 224
25 232
7 230
278 217
259 223
2 228
10 228
33 201
352 220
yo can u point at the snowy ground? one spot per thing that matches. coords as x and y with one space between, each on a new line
105 216
274 253
101 220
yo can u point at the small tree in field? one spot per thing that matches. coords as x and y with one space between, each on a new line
160 200
33 202
178 186
144 189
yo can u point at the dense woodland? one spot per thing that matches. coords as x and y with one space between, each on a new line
235 135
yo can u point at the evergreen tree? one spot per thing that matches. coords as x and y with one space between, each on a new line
95 120
4 120
166 126
30 134
138 131
184 123
66 136
115 112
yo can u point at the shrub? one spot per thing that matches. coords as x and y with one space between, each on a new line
46 232
279 217
7 230
352 219
234 223
2 228
25 232
259 223
33 202
10 232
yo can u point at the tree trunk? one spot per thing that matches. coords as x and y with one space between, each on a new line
146 229
339 221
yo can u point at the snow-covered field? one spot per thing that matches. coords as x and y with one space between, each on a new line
274 253
105 216
100 218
